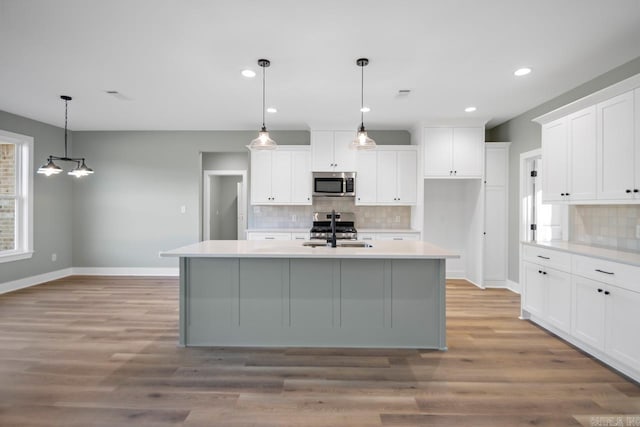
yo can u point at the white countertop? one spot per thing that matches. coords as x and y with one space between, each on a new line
632 258
294 249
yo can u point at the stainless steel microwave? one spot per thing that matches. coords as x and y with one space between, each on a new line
334 184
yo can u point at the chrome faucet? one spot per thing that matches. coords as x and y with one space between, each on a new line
332 240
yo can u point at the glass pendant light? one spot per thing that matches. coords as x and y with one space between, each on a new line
50 168
263 141
362 141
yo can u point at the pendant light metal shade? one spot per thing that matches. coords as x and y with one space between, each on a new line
50 168
263 141
362 141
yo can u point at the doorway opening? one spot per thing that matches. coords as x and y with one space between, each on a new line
539 222
224 204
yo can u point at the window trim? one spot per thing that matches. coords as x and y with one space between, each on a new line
24 199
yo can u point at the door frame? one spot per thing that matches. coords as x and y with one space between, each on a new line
206 197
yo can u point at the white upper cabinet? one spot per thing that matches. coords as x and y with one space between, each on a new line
453 152
366 181
569 157
554 161
616 148
582 154
281 176
387 175
301 183
330 151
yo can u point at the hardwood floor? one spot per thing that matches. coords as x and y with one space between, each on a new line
101 351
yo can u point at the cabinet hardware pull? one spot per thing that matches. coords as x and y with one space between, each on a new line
607 292
397 238
543 257
605 272
540 271
635 190
599 290
544 272
269 238
566 194
562 194
627 191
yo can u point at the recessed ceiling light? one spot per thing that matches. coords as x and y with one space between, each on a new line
522 71
249 73
272 110
365 109
470 109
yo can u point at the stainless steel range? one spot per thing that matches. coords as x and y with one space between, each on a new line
345 226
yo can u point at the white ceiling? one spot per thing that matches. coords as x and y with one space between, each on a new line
179 61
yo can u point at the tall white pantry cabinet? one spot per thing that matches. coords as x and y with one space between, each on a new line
461 212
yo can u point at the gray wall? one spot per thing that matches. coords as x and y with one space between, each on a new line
129 210
52 218
228 207
525 136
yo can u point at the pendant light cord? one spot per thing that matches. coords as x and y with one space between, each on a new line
65 127
362 95
263 95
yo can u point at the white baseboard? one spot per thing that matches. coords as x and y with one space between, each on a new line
14 285
514 286
85 271
125 271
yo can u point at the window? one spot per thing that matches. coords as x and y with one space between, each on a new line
16 196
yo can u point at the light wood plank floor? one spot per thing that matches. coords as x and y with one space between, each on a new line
101 351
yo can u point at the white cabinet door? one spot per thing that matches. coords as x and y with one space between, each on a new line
301 177
558 298
260 177
496 161
636 187
468 152
554 161
387 177
343 156
534 290
322 151
366 177
407 176
495 249
280 177
616 148
622 338
582 151
438 152
588 311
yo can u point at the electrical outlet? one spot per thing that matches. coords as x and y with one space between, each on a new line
638 231
54 257
183 209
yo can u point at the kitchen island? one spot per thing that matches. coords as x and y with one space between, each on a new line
281 293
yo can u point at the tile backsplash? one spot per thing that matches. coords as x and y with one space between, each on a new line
611 226
393 217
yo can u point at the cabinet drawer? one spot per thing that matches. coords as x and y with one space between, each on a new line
366 236
299 236
268 236
548 257
398 236
613 273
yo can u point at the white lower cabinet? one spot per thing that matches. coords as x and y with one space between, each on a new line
594 304
548 295
588 312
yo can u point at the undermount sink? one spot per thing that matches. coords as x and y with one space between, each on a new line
340 244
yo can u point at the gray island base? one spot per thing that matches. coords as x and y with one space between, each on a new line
256 293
